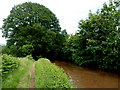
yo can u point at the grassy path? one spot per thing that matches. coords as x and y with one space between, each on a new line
19 78
28 81
36 74
24 83
32 78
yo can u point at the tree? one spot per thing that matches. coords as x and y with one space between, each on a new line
28 14
64 32
98 39
32 29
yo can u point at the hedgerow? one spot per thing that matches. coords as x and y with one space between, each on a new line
14 69
9 64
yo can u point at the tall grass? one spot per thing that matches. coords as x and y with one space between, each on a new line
48 75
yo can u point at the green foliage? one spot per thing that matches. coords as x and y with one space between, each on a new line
0 49
12 79
9 64
48 75
70 45
101 37
26 49
29 57
28 14
10 50
64 32
33 29
3 49
97 42
48 44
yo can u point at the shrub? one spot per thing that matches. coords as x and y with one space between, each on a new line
9 64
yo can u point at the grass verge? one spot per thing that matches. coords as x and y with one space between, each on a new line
13 78
48 75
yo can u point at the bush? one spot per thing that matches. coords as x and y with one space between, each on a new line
29 57
9 64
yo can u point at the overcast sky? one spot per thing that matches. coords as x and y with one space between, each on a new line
69 12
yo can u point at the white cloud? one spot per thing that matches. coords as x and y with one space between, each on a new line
69 12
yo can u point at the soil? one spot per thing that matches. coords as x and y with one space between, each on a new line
32 78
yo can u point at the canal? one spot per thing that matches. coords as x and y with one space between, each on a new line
89 78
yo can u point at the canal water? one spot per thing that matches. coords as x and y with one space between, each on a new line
89 78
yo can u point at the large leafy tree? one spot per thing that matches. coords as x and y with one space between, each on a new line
32 28
28 14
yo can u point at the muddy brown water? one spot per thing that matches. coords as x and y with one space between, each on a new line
89 78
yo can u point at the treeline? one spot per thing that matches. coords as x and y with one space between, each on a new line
96 44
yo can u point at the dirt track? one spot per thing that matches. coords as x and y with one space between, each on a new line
32 78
